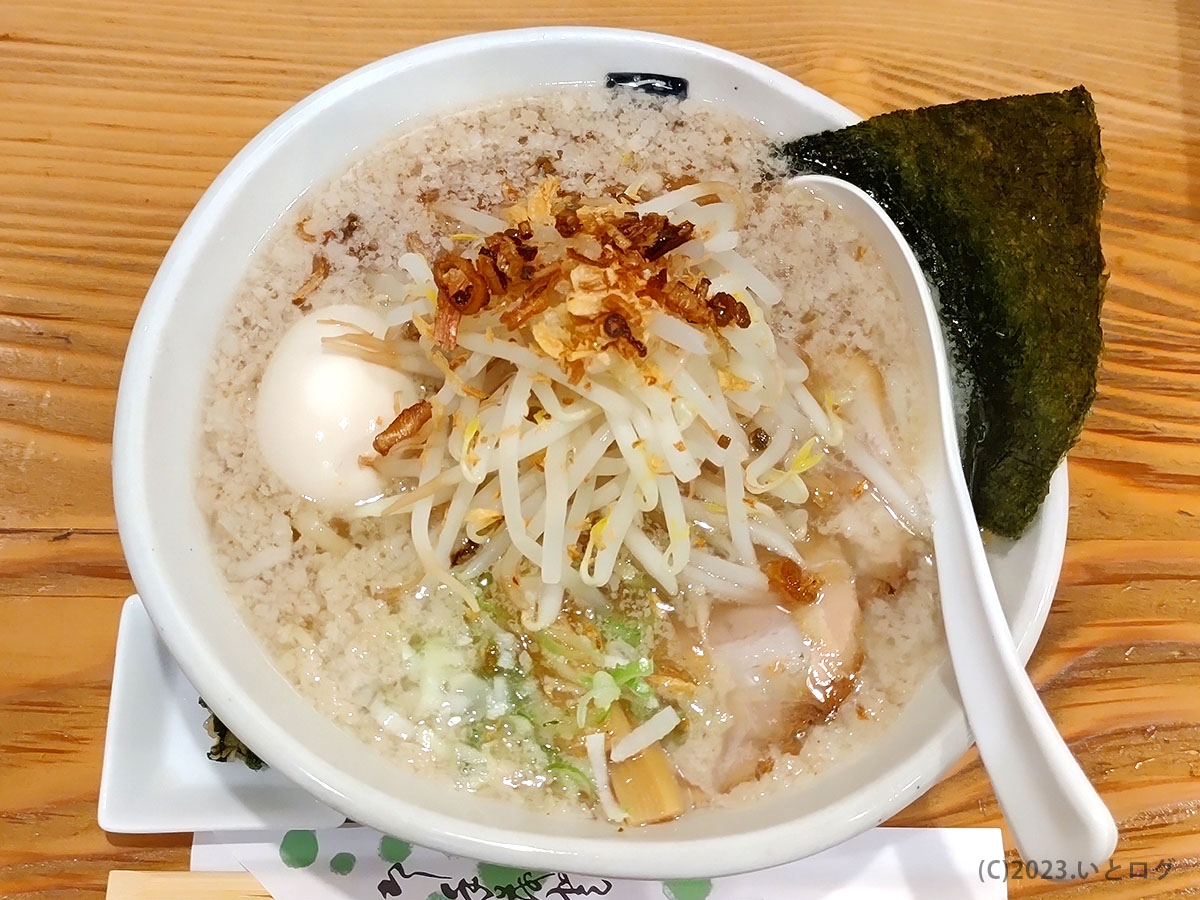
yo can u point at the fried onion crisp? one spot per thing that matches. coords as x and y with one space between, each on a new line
791 583
320 271
605 269
409 422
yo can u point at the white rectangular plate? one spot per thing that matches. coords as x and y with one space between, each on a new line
157 776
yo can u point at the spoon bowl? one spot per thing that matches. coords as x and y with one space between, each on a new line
1051 808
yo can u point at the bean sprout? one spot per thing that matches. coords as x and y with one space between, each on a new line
532 453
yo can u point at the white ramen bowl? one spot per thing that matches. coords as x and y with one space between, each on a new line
166 541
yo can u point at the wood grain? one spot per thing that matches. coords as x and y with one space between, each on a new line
115 115
184 886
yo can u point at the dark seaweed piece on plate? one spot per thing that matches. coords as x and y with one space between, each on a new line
226 745
649 83
1000 200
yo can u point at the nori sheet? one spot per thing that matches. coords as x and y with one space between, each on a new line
227 746
1000 200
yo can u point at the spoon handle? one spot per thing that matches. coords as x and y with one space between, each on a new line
1053 811
1051 807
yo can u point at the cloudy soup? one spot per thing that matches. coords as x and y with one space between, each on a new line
561 450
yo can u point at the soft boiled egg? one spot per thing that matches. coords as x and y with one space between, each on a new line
319 409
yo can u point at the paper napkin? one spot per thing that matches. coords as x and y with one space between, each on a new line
354 863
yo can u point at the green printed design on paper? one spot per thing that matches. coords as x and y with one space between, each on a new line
298 849
342 863
687 889
394 850
495 877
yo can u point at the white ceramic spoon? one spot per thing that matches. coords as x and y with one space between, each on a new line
1053 811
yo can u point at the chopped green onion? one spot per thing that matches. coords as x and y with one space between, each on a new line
548 643
615 629
576 775
603 692
628 673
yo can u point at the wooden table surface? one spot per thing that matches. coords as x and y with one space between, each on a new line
114 117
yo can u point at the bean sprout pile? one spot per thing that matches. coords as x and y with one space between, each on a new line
603 385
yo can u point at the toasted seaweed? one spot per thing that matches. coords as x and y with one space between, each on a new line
1000 200
226 745
649 83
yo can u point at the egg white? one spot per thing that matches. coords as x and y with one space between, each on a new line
319 409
